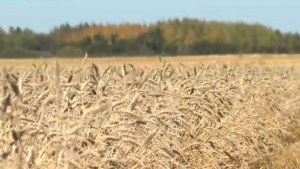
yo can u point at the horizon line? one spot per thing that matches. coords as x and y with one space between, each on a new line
149 23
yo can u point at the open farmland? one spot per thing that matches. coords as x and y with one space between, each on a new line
283 60
182 112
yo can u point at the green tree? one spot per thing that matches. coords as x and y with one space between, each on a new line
70 51
86 43
152 42
2 40
100 46
29 40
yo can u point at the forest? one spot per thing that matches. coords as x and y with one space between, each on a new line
171 37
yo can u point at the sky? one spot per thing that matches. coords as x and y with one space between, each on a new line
43 15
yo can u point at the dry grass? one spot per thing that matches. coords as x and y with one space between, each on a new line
168 116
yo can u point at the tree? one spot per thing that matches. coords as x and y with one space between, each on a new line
100 46
2 40
86 43
43 42
70 51
29 40
153 41
172 37
11 30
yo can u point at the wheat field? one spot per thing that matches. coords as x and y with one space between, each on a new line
283 60
150 113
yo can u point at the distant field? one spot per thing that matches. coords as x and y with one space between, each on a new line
153 61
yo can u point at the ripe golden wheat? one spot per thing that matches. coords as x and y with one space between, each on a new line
203 116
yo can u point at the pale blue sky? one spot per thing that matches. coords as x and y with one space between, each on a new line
43 15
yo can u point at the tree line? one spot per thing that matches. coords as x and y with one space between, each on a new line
172 37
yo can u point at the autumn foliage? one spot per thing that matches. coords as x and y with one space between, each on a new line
172 37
